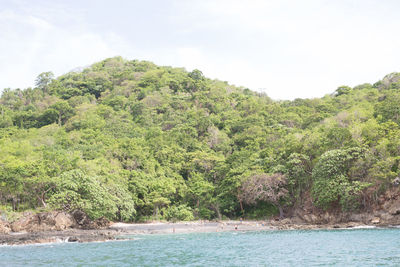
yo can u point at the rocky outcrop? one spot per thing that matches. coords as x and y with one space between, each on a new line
55 226
376 220
84 222
81 219
45 221
383 212
382 217
393 207
71 235
4 227
53 221
100 223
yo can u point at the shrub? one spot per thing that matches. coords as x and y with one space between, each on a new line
179 213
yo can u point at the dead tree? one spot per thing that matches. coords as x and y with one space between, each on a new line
264 187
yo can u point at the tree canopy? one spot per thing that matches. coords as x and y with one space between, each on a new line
130 140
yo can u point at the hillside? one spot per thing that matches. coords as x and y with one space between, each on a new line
132 141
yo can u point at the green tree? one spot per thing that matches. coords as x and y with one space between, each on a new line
332 185
43 81
78 191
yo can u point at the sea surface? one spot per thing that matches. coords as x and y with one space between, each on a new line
356 247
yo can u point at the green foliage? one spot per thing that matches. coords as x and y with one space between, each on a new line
332 184
179 213
130 140
78 191
43 80
343 90
388 108
298 170
263 210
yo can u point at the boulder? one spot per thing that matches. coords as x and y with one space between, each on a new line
297 220
63 221
396 181
361 217
311 218
286 221
81 219
352 224
394 209
356 217
376 220
85 222
327 218
333 218
100 223
72 239
388 219
4 227
23 222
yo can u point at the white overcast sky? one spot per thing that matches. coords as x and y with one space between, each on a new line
287 49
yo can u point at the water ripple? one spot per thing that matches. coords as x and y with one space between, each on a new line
361 247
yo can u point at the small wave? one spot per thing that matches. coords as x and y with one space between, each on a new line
136 238
31 244
363 227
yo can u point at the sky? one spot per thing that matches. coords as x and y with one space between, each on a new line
287 49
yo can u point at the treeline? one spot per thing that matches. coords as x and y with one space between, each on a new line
129 140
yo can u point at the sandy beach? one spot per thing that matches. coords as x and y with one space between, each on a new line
191 227
120 231
127 230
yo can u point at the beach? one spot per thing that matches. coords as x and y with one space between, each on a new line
121 231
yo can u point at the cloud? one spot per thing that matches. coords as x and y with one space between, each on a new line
286 48
33 45
296 48
191 57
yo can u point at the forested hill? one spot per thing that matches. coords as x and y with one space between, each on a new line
130 140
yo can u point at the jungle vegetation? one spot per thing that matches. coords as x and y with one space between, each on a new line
131 141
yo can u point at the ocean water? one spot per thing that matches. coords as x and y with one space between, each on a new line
357 247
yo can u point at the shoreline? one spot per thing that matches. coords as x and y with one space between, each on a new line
124 231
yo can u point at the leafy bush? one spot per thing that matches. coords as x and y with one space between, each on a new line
78 191
332 185
179 213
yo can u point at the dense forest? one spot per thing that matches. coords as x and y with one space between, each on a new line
133 141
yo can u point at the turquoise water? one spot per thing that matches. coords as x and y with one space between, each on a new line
361 247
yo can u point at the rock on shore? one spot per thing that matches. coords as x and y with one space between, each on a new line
58 226
4 227
54 226
71 235
44 221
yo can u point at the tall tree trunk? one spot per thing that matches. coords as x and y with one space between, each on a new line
216 208
240 201
14 204
196 212
241 206
155 213
41 199
281 214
